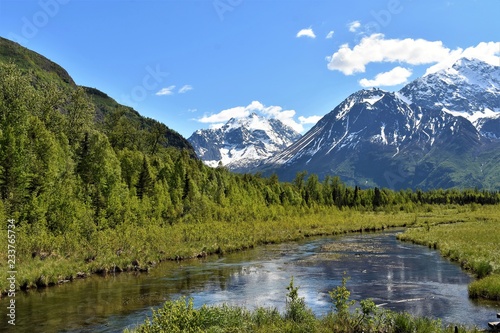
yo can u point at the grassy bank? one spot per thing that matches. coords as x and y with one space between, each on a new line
474 243
45 259
181 316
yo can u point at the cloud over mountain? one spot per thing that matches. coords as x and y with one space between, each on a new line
216 120
376 48
395 76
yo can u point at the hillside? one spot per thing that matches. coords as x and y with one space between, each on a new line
46 71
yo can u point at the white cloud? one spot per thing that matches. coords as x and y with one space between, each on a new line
395 76
330 35
216 125
277 112
354 25
309 120
306 33
377 49
487 52
166 91
225 115
185 89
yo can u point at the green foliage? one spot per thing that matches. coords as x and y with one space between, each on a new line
145 182
341 298
296 309
486 288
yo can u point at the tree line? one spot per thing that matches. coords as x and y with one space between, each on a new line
62 171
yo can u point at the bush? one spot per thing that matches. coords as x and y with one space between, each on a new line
296 309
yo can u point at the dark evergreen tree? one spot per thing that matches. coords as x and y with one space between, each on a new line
145 181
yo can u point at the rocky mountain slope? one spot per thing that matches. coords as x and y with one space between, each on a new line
242 144
441 130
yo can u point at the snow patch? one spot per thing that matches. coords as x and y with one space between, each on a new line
372 100
403 98
382 134
475 116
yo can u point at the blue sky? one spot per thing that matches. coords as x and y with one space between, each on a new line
195 64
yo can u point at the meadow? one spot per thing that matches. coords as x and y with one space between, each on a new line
466 234
474 243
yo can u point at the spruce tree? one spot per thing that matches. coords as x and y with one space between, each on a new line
145 182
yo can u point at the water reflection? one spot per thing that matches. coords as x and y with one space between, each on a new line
396 275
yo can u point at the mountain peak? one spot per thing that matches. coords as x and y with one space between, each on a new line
242 143
421 137
470 88
470 63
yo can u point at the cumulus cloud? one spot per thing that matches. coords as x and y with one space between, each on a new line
395 76
236 112
166 91
354 26
376 49
185 88
277 112
306 33
330 35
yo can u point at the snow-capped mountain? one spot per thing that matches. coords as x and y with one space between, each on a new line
470 89
441 130
243 143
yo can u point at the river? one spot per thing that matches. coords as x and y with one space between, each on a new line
396 275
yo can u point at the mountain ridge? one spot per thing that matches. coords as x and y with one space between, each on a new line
407 138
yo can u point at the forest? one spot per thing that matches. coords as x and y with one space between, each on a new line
91 186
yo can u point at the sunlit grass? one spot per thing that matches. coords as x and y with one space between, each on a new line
474 244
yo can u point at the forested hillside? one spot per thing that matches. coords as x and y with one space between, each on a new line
92 185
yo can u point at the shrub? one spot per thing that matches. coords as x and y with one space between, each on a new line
296 309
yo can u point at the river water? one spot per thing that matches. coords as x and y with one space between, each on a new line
396 275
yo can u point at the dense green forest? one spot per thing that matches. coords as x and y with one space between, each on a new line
93 186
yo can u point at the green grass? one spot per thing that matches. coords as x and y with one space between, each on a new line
474 244
486 288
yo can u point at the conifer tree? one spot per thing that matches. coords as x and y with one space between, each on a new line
145 181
